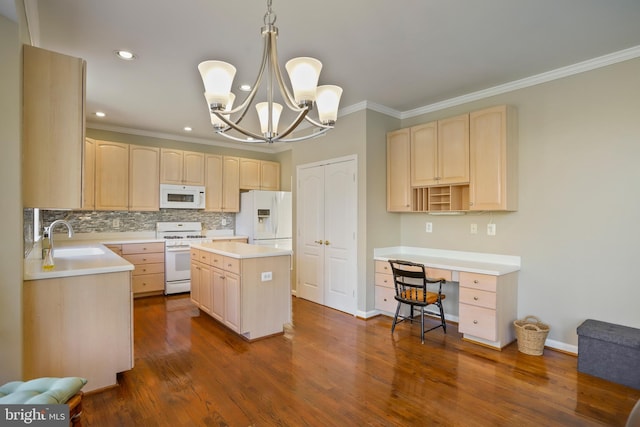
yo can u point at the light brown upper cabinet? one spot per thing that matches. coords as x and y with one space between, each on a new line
89 175
398 163
144 178
259 175
440 152
112 176
53 129
181 167
463 163
222 183
494 157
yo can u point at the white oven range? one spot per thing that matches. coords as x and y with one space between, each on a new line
178 237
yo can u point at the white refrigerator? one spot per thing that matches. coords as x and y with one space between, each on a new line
265 216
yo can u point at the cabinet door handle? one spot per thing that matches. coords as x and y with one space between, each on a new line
318 242
475 281
475 322
326 242
475 298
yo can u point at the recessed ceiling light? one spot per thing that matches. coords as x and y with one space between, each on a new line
245 88
187 129
100 114
125 54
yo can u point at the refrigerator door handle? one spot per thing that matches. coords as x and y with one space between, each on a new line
275 216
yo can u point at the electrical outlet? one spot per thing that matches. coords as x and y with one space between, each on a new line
428 227
224 221
267 276
491 229
116 223
474 229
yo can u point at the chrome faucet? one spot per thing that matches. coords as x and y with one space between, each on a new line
49 231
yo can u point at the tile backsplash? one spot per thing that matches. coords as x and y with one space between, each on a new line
119 221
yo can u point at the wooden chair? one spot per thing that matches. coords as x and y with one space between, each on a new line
415 289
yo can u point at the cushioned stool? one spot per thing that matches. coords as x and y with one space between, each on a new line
609 351
43 391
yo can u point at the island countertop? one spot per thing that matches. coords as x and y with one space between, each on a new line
241 250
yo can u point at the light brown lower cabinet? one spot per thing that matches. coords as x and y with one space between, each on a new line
148 277
233 292
79 326
487 304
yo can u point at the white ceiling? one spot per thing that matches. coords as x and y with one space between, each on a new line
398 55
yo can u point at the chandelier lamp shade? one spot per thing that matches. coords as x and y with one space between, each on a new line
305 93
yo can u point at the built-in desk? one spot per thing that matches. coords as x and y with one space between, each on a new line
488 288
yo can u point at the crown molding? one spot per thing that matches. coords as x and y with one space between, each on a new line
570 70
274 148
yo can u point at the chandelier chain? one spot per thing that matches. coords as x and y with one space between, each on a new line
269 16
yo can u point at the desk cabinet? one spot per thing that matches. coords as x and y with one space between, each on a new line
487 308
487 304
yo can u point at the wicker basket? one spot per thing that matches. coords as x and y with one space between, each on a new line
531 334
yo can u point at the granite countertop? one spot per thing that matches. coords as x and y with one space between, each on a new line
241 250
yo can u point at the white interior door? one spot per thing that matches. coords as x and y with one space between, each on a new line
327 220
310 220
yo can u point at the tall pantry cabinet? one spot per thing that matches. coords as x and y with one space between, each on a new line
53 129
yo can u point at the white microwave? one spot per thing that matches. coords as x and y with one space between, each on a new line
182 196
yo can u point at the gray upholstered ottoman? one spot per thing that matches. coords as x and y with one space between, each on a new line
609 351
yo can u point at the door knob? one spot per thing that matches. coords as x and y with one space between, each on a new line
326 242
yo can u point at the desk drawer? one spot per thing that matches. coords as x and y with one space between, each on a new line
478 321
437 273
384 299
483 282
384 280
383 267
477 297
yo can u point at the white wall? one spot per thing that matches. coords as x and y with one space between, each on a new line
10 193
577 228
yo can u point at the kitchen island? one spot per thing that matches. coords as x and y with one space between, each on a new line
245 287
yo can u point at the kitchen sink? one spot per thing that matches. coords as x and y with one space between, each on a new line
77 252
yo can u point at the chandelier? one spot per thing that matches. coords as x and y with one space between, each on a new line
303 72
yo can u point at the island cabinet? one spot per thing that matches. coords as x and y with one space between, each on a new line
246 288
79 326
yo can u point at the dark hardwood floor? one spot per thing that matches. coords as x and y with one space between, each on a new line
331 369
